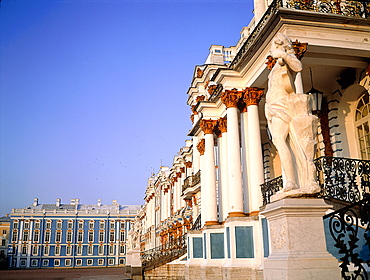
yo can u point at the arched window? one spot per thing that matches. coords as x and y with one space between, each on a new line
362 123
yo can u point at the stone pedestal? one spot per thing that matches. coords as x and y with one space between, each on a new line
298 246
133 267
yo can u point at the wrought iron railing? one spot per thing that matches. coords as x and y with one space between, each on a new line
339 178
164 254
349 229
359 9
197 224
191 181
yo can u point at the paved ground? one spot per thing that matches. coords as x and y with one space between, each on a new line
64 274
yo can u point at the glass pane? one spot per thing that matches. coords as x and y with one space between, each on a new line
366 98
360 131
365 111
362 144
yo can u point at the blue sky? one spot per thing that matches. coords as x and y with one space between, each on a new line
93 93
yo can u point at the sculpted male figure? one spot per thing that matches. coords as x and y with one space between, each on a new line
291 124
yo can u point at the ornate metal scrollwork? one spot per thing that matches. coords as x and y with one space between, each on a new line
345 226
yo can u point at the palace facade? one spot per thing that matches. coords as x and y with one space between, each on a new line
70 235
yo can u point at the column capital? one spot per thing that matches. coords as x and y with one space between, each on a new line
201 146
252 95
231 97
207 126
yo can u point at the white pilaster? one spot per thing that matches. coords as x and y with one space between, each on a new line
245 158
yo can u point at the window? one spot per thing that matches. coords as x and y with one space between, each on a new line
101 225
122 225
90 250
48 224
111 225
35 250
34 262
101 262
79 250
122 236
91 225
91 236
27 225
101 250
101 236
47 236
70 225
25 235
121 261
3 242
15 225
46 250
59 224
78 262
4 231
37 224
58 236
111 249
57 262
24 250
89 262
36 236
111 261
57 250
111 236
69 250
45 263
80 224
14 236
80 236
23 262
67 262
362 123
69 236
122 249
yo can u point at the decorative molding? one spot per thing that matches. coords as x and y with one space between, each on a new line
201 146
188 164
211 89
200 98
199 72
270 63
222 124
299 49
253 95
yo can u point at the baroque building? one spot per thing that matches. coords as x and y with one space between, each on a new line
209 214
70 235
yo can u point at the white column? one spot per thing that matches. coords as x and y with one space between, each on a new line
210 203
203 179
245 157
223 190
230 98
252 98
209 193
196 156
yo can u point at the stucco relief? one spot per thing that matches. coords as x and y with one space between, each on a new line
279 234
292 126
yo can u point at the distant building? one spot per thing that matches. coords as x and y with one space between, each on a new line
69 235
4 236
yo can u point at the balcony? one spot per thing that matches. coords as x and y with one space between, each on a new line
343 179
190 182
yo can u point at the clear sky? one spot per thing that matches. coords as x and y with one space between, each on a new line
93 92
